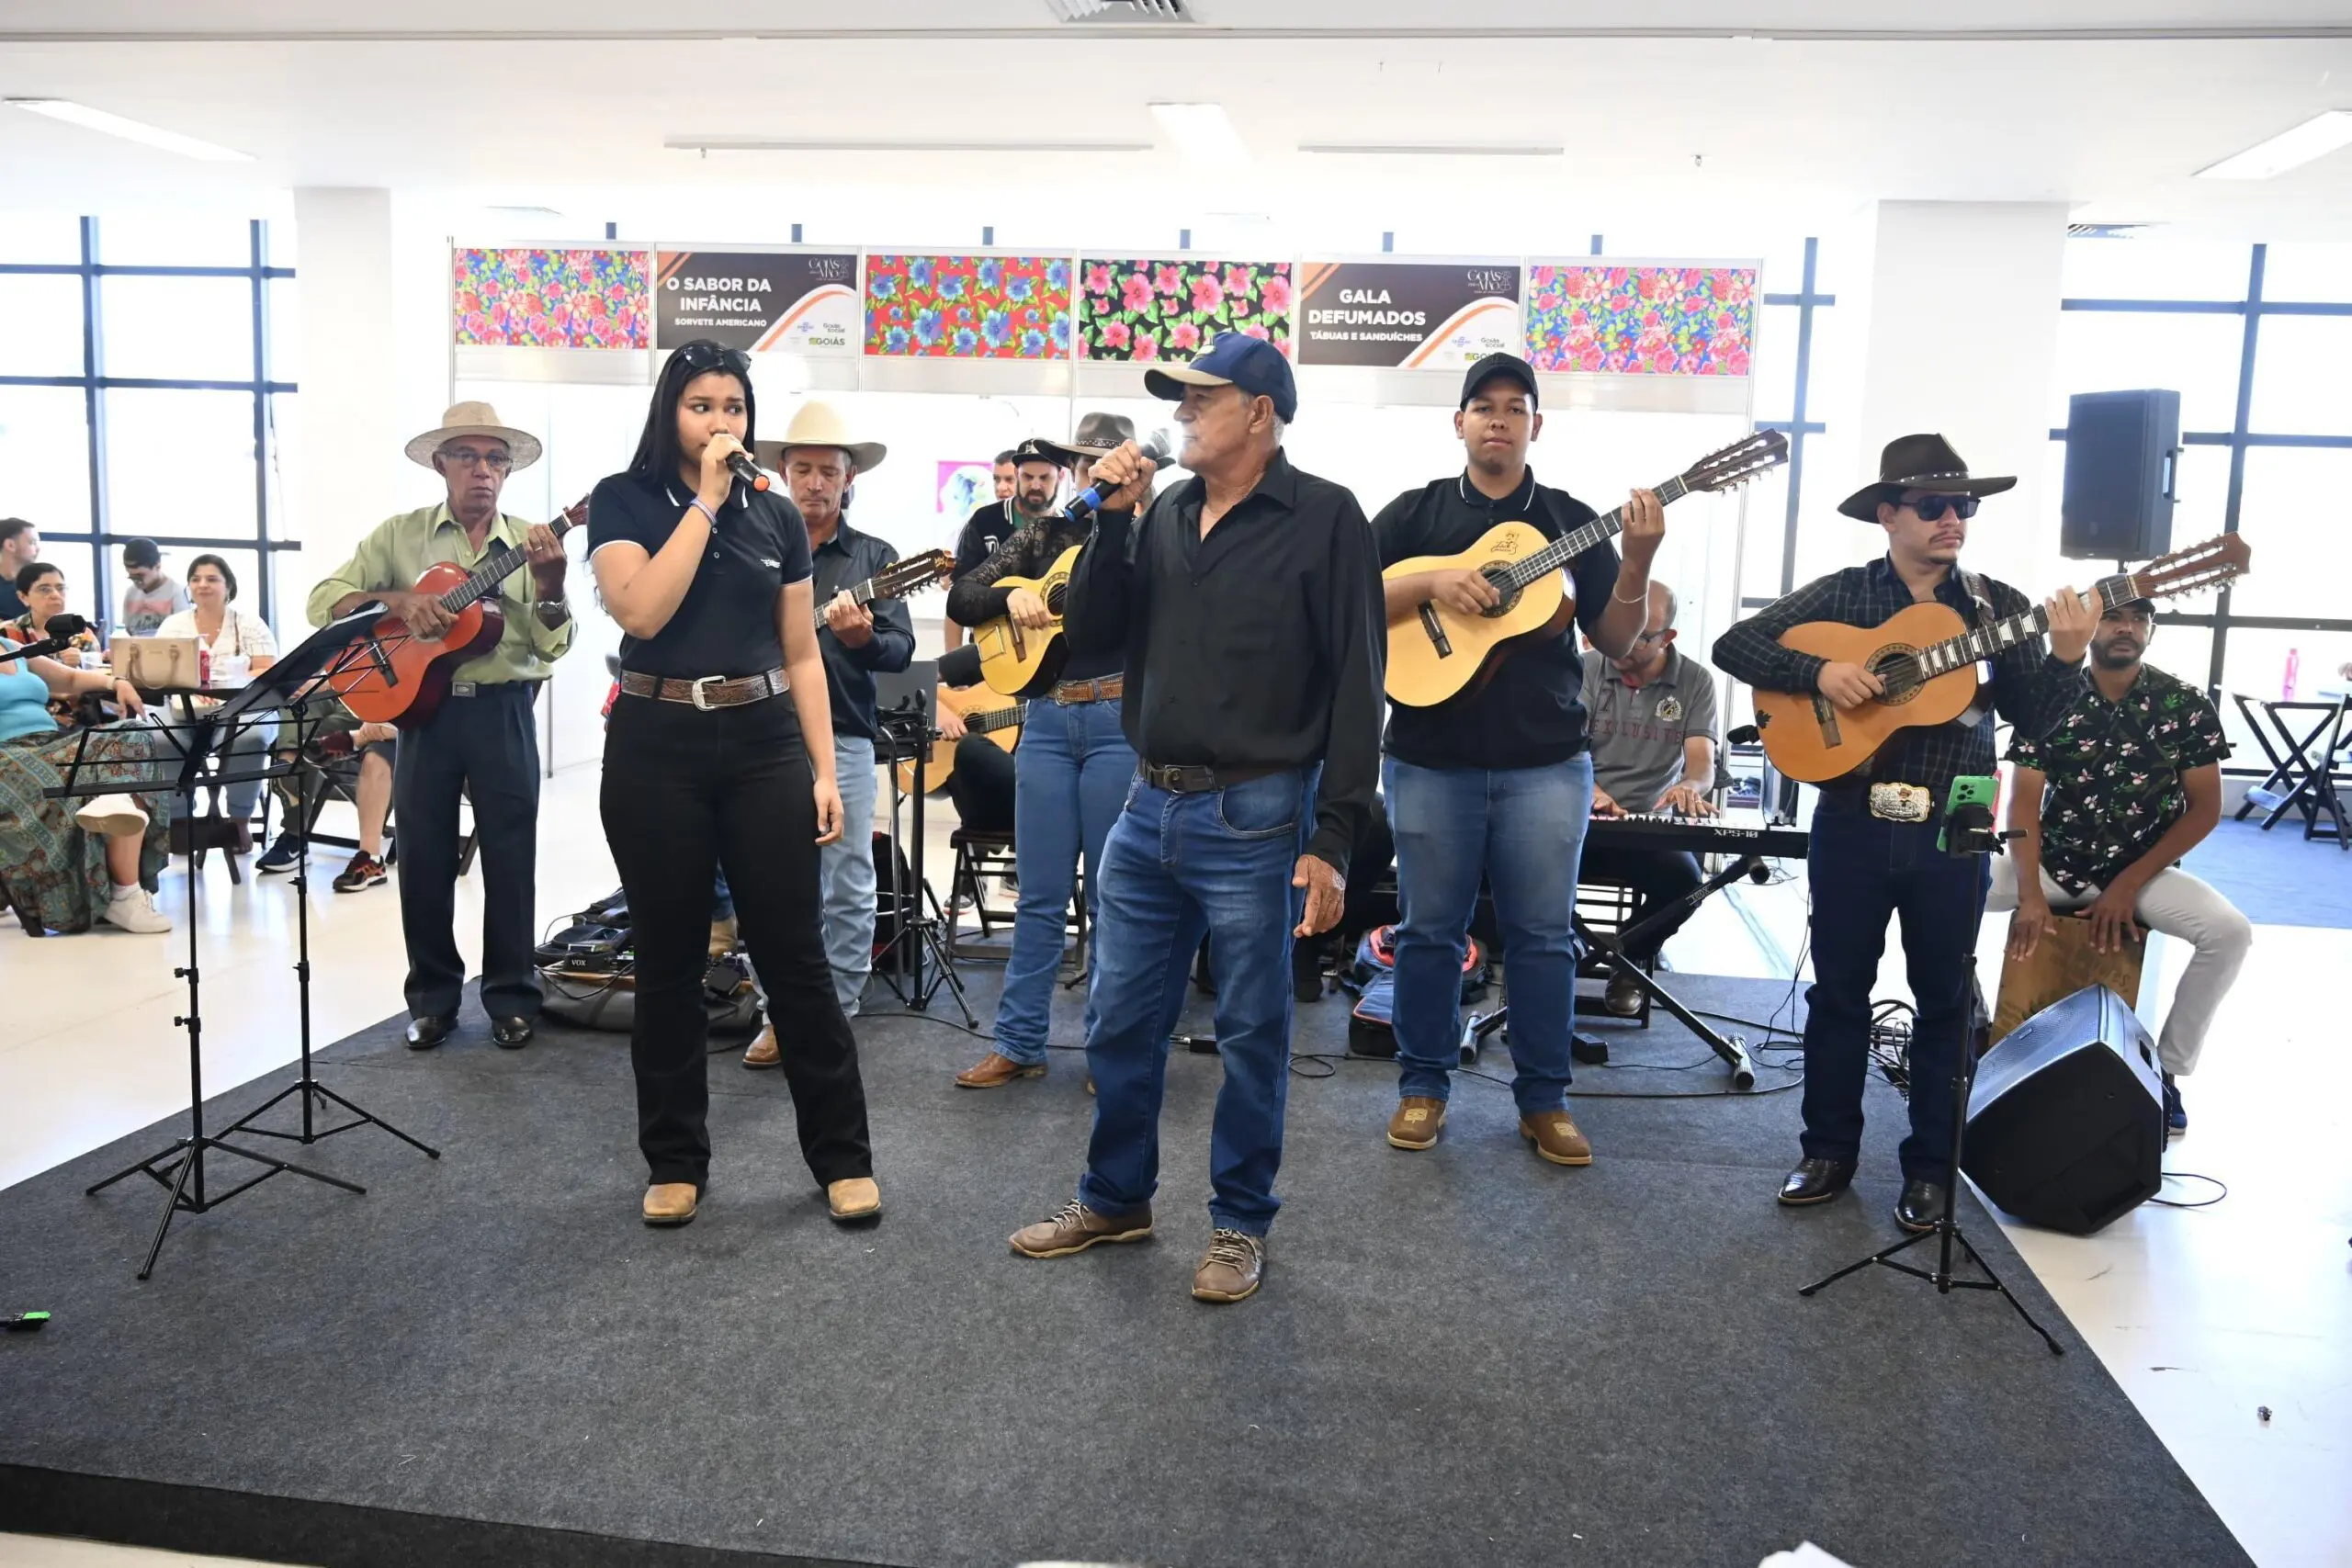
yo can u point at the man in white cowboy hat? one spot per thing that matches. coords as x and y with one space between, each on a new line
821 460
482 743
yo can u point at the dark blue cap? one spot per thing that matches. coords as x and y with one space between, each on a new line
1235 359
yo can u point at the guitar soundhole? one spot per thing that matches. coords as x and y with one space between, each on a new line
1054 595
1894 665
1500 577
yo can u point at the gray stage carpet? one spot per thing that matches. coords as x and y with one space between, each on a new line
1461 1357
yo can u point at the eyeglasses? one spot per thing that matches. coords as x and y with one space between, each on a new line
1657 636
467 457
1932 507
703 355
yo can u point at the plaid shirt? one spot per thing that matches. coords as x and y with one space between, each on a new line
2031 688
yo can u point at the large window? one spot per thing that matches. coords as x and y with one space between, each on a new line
136 377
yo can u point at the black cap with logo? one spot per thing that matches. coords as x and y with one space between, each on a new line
1499 365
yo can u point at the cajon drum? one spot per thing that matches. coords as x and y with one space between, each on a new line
2063 963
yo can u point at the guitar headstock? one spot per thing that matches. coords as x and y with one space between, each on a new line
912 574
2208 565
1736 464
574 516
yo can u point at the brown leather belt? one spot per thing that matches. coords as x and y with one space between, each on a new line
1178 778
1101 689
708 691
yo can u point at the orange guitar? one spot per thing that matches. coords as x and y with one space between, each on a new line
1000 723
1928 657
411 692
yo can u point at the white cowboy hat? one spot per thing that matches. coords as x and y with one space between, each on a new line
474 419
819 425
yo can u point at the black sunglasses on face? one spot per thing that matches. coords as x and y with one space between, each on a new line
701 356
1932 507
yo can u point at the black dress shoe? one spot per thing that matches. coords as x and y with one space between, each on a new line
423 1033
1921 1205
1816 1180
511 1033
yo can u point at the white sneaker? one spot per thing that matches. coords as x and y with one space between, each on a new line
130 909
111 815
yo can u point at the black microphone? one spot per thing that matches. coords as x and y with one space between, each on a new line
747 470
1086 503
58 636
1746 734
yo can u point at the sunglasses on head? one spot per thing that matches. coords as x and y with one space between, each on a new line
1932 507
702 356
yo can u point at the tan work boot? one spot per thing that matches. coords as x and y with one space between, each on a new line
994 1071
670 1203
722 937
853 1197
763 1051
1075 1227
1555 1137
1232 1269
1419 1119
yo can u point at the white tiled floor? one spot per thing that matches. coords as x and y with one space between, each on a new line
2201 1316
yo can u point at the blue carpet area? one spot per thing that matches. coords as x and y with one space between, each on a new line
2278 878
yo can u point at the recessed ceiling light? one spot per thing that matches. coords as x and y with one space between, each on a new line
2315 138
1432 149
145 135
1203 134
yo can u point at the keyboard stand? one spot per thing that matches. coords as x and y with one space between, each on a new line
1733 1049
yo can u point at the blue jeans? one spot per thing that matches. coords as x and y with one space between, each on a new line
846 873
1074 769
1175 865
1863 870
1523 827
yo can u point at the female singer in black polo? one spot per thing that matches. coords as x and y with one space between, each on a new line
705 763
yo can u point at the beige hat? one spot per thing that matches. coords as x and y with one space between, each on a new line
474 419
819 425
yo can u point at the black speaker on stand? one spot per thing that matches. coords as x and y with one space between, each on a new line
2066 1121
2123 465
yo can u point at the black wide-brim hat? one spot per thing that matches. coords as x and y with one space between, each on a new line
1920 462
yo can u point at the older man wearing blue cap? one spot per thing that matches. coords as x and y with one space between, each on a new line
1247 604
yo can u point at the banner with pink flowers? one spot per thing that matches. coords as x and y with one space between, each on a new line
1171 308
1641 320
551 298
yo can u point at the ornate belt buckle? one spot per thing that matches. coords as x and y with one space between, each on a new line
1900 802
701 683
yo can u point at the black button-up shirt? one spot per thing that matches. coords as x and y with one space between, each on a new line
1260 645
726 625
2031 688
843 561
1530 714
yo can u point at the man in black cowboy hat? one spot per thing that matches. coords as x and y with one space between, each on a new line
1874 831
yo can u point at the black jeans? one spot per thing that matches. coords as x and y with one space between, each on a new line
686 792
982 785
1862 871
1656 876
487 749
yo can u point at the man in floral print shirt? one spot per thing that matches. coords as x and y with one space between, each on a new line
2127 783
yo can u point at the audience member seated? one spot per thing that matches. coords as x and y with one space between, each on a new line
42 588
339 735
981 785
242 648
1651 717
64 865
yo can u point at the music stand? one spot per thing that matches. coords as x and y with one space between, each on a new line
902 703
343 646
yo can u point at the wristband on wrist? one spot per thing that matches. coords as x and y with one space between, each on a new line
699 505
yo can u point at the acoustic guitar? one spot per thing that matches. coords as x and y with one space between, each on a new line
1016 661
1436 653
415 679
1001 724
1928 656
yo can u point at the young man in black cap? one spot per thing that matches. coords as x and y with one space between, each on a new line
1874 831
1497 783
1246 605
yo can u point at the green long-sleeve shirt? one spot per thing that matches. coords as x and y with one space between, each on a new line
400 549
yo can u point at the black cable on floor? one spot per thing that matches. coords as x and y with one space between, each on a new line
2192 1176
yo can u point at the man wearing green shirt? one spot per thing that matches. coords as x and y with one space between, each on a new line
482 743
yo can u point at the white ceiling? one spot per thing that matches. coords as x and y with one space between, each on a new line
1792 109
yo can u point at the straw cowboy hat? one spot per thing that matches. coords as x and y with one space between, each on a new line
474 419
1920 462
820 425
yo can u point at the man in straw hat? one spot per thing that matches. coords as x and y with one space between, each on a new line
482 744
1874 851
821 460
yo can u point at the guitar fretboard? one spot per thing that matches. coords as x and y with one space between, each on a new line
1985 642
483 580
995 719
1567 546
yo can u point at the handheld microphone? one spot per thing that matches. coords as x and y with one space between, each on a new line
747 470
61 631
1086 503
1744 734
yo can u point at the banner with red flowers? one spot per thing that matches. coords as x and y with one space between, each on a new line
1169 308
534 299
1641 320
968 307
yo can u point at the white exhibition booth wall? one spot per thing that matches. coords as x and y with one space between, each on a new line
1378 432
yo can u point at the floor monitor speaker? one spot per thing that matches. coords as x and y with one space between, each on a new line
2066 1125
